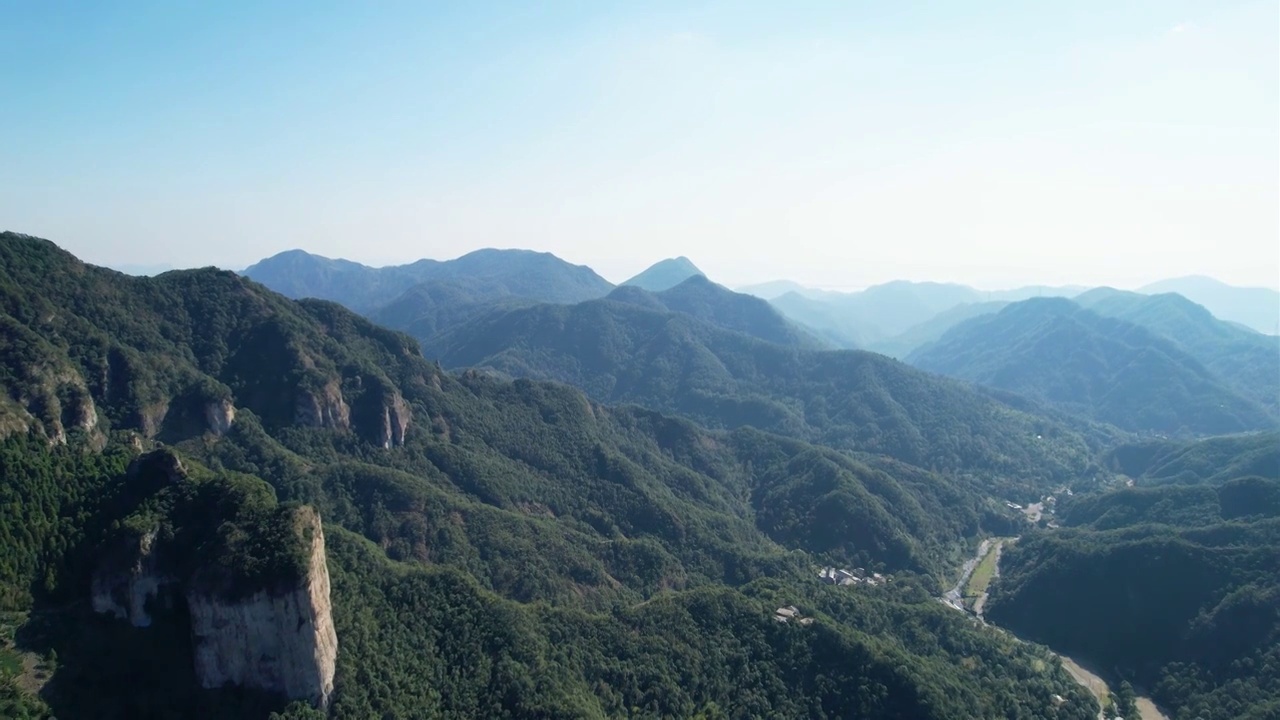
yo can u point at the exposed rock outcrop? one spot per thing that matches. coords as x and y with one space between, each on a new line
220 415
395 421
325 408
128 580
281 642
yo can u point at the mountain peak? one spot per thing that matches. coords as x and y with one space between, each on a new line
665 274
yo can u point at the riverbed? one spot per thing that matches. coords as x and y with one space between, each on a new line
1089 680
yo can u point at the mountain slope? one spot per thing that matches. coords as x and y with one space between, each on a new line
518 273
496 548
917 336
665 274
1256 308
700 298
897 317
1247 362
1211 460
845 399
428 309
1106 369
1174 588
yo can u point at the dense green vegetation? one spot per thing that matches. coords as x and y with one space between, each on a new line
713 652
429 309
525 274
519 551
1246 361
700 298
70 513
624 353
1107 369
1174 588
1212 460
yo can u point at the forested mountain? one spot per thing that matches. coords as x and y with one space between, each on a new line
1173 588
1246 361
431 308
1255 308
700 298
492 273
665 274
1211 460
625 353
1111 370
496 549
917 336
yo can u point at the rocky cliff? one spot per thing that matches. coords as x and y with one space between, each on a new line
276 640
219 416
395 421
325 408
128 581
279 639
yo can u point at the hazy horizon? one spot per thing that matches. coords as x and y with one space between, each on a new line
149 269
994 145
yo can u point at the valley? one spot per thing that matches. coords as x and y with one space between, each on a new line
600 493
976 576
640 361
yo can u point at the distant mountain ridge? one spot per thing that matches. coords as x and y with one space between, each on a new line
622 352
700 298
894 317
1111 370
1246 361
665 274
518 273
1254 307
897 317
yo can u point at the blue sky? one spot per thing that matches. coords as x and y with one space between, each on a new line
835 143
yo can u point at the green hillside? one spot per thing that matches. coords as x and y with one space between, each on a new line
497 549
1211 460
1175 589
1110 370
1246 361
700 298
623 353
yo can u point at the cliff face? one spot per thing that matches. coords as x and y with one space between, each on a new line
281 642
395 421
324 409
219 416
127 581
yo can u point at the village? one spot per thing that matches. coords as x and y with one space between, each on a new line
856 576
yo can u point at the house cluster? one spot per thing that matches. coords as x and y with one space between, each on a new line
789 613
856 576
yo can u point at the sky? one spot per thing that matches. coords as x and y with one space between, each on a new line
838 144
